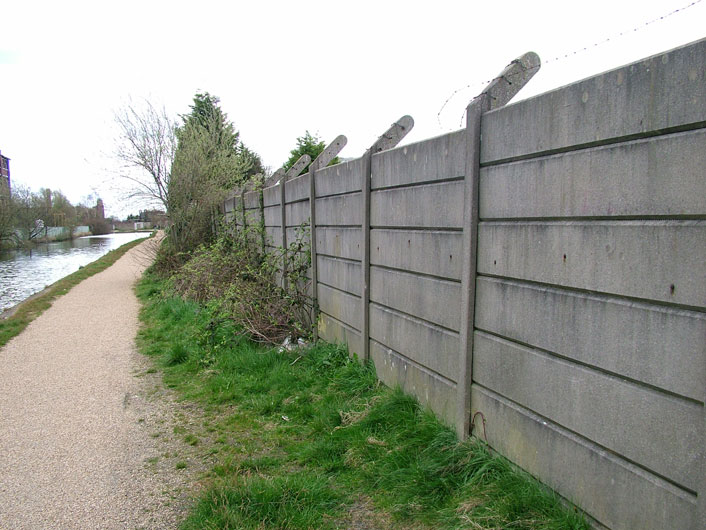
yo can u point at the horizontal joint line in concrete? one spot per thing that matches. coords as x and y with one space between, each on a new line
525 220
339 258
599 297
610 223
414 273
319 225
645 302
305 199
417 229
417 184
642 139
599 143
414 363
417 319
349 260
617 458
339 194
594 368
338 321
357 296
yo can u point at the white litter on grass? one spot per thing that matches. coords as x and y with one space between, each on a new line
290 345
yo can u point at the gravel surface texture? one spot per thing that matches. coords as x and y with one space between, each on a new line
84 420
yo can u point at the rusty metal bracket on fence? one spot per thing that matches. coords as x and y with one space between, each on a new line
387 140
321 161
497 94
473 424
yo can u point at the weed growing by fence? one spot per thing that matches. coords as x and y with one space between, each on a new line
308 437
240 283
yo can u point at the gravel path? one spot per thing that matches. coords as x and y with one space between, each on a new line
77 412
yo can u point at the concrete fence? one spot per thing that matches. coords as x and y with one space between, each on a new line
52 233
537 279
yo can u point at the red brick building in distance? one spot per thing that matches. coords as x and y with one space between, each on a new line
4 173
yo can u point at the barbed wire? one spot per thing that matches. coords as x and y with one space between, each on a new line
571 54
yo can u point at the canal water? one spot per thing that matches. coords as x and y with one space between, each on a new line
22 274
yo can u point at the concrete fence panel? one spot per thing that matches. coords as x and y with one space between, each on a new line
340 274
657 345
657 176
659 94
341 178
628 258
428 161
297 189
612 490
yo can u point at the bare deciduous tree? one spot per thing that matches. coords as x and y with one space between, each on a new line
146 146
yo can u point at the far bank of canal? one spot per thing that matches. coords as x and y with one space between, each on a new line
22 274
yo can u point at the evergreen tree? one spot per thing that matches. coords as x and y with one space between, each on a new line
308 145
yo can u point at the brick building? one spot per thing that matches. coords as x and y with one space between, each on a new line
4 173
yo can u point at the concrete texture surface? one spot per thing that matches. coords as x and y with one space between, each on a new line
658 345
660 175
437 158
74 415
438 205
430 346
600 407
619 494
433 391
659 93
647 259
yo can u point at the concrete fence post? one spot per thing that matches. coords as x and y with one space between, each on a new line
701 494
321 161
293 171
387 140
365 263
501 90
283 225
468 278
242 207
261 203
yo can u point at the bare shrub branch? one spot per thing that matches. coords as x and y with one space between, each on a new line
145 148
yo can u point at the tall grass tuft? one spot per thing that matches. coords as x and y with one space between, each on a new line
299 500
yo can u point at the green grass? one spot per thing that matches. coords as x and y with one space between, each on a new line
304 436
298 500
27 311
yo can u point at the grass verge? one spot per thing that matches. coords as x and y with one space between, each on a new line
30 309
310 439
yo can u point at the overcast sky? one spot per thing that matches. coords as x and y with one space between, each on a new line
281 68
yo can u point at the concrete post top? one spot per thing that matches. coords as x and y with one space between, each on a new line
511 80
